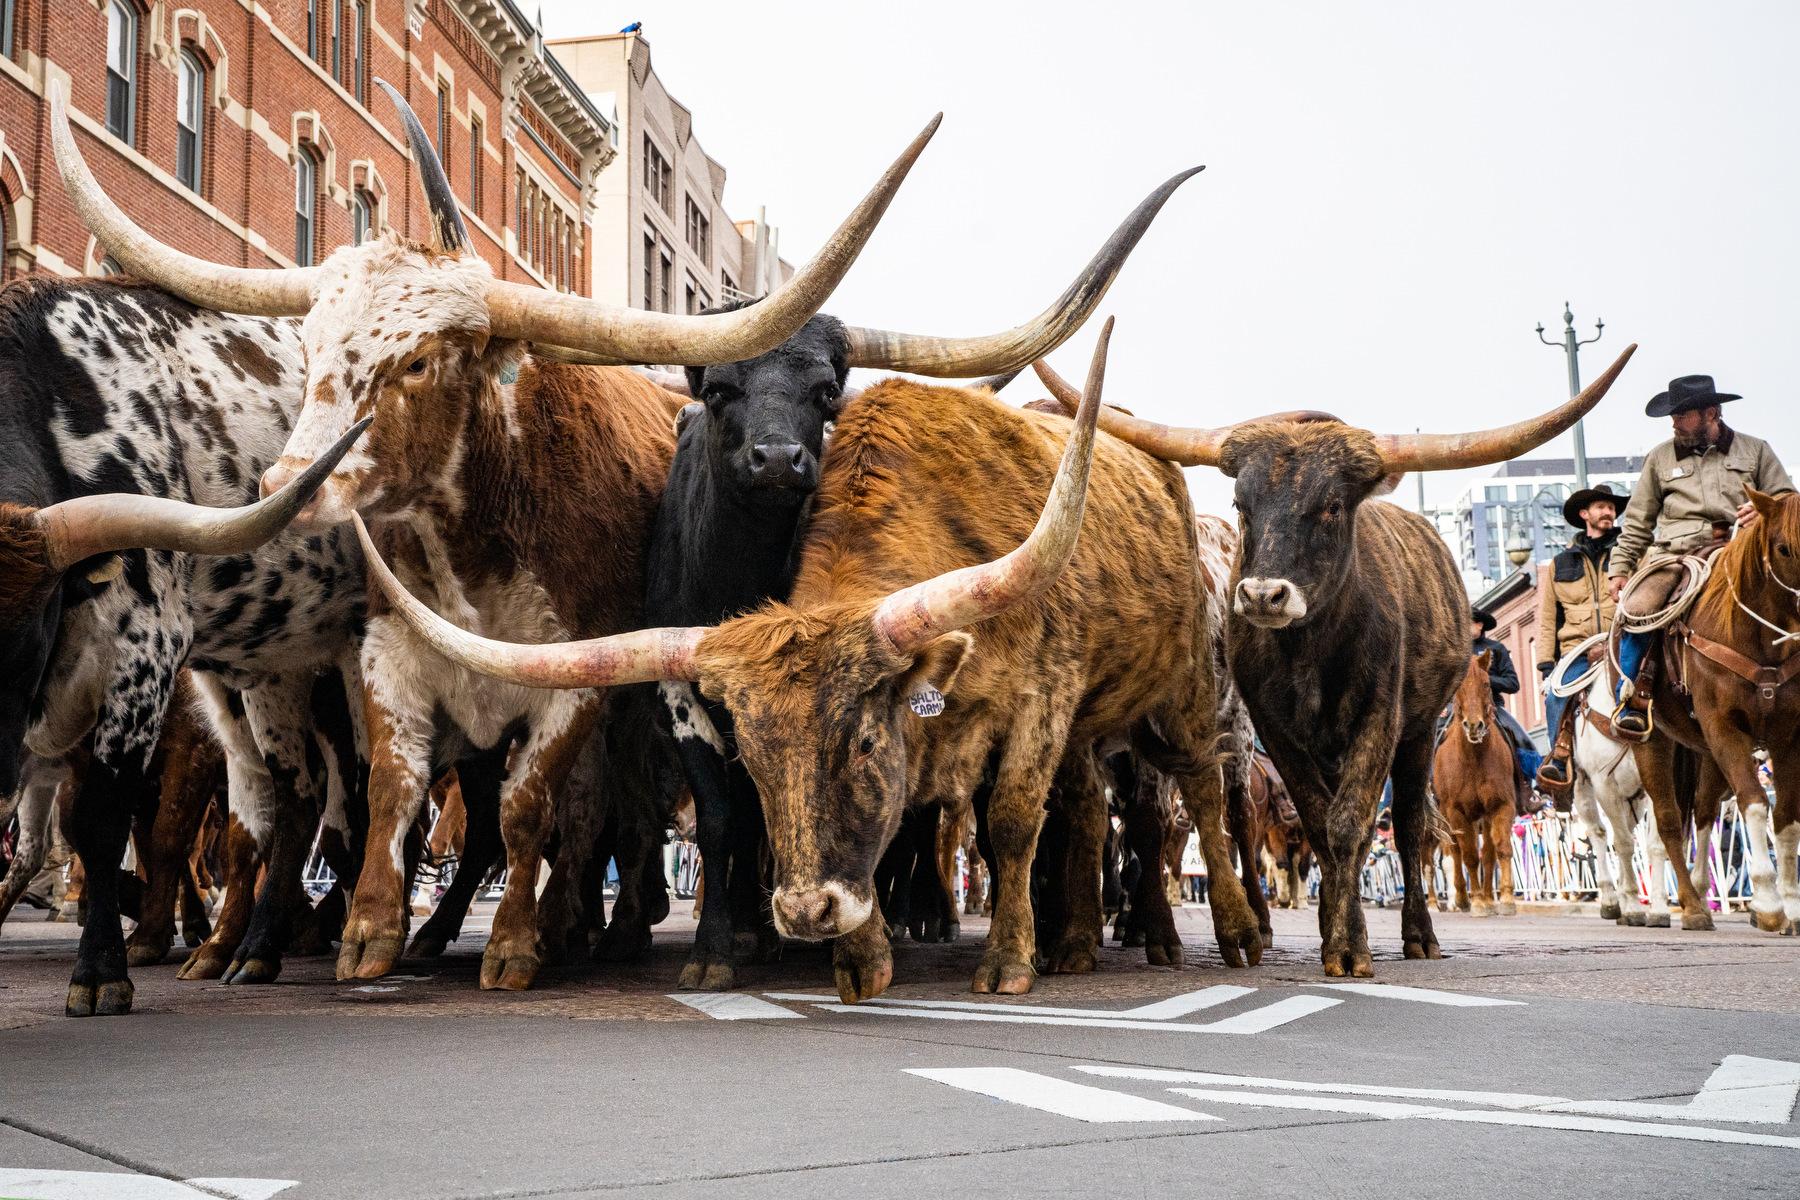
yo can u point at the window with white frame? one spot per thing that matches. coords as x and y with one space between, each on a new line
190 119
362 216
306 197
121 67
359 45
8 14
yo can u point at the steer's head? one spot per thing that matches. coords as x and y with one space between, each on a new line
1298 490
823 704
765 418
825 699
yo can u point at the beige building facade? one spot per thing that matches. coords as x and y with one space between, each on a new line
660 234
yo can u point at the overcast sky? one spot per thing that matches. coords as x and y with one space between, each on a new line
1395 193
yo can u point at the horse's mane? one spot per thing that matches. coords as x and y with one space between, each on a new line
1740 566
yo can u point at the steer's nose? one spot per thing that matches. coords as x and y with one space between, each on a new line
1271 602
279 475
810 913
782 465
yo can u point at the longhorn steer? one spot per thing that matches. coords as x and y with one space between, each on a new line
112 394
833 693
1349 625
518 492
730 525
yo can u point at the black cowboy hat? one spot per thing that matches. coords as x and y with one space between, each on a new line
1688 392
1486 619
1574 504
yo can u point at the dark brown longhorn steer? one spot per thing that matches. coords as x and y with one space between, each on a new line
864 694
1349 627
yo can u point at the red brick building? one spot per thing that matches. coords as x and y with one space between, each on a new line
250 132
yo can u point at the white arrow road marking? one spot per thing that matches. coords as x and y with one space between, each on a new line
1161 1010
1532 1120
733 1006
1059 1096
1743 1090
26 1184
1394 991
1256 1021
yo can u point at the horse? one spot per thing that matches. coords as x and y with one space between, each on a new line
1287 854
1607 784
1473 777
1730 683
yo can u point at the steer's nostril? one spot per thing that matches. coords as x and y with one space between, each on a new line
1277 594
758 458
799 458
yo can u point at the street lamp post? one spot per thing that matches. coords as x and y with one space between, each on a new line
1571 348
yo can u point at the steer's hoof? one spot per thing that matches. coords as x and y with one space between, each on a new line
194 932
1700 921
1236 946
369 958
1163 952
1355 963
623 942
1423 948
207 962
147 953
1003 977
110 999
707 975
504 971
1073 957
1773 921
254 969
862 978
1610 912
427 943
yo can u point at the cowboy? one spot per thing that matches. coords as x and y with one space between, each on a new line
1574 604
1503 678
1690 495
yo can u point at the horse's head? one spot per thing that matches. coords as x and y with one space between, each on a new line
1473 706
1777 538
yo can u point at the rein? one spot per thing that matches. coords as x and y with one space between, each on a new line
1766 679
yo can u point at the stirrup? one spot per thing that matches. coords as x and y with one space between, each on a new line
1632 735
1554 785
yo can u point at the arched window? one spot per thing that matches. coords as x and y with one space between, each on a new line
190 119
306 196
121 68
109 266
5 227
362 217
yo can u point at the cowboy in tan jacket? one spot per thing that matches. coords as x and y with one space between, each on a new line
1692 491
1574 603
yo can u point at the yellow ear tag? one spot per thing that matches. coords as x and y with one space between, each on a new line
106 572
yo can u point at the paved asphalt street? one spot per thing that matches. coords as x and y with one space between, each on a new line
1549 1054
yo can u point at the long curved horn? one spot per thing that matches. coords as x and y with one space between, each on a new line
89 525
448 231
641 656
913 616
277 292
1400 452
578 323
1065 395
1452 451
998 353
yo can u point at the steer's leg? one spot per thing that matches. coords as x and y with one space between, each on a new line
1412 776
478 778
542 764
709 966
1034 748
280 716
97 827
35 804
1083 924
400 735
250 807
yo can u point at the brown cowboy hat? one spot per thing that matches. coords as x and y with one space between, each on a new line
1574 504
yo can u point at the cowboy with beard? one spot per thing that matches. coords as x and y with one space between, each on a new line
1575 603
1691 494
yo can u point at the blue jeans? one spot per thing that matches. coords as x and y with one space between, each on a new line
1554 704
1632 648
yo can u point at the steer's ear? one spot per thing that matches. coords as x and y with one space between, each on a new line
933 671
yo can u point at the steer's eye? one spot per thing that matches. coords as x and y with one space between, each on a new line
1334 509
416 367
867 745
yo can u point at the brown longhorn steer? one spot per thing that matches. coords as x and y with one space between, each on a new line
1472 775
864 693
1742 681
1349 627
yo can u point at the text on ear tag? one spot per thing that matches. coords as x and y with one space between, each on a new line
106 572
927 702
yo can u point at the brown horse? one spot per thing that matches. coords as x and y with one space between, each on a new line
1472 775
1283 840
1733 684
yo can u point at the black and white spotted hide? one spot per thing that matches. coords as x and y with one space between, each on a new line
118 387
